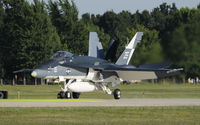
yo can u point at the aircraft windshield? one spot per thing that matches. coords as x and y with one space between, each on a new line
63 54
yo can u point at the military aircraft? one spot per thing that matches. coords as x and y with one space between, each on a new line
89 73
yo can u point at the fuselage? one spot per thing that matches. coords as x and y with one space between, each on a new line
69 66
53 68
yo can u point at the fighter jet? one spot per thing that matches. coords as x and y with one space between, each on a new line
89 73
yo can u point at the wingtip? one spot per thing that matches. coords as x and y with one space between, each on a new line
139 35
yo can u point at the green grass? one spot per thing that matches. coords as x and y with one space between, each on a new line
101 116
164 90
187 115
143 90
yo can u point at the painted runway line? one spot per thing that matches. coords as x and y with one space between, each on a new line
48 100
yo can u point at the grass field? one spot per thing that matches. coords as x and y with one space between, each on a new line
101 116
143 90
187 115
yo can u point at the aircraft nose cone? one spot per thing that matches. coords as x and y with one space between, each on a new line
34 74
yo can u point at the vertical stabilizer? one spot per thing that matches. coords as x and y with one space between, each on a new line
95 47
125 57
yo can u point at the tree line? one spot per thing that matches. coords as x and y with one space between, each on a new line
31 32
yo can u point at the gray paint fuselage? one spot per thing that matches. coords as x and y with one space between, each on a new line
53 68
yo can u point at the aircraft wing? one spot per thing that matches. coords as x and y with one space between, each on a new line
129 73
23 70
145 73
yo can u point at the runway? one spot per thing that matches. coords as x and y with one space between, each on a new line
98 102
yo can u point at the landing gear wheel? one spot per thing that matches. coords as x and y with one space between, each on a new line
75 95
59 96
68 95
117 93
1 95
62 95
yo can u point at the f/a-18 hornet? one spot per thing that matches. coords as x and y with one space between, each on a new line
89 73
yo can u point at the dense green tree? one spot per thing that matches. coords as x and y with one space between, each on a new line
198 6
2 15
109 21
149 49
146 19
136 18
29 33
86 19
72 32
184 48
125 18
159 17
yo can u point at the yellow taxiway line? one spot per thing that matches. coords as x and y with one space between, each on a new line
50 100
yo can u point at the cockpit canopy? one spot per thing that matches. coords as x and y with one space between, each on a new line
62 54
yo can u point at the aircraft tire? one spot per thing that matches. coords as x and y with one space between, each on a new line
68 95
75 95
1 95
58 96
62 95
117 94
5 94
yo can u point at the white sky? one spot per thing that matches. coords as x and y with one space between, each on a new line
101 6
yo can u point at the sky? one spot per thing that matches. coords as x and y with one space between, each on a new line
101 6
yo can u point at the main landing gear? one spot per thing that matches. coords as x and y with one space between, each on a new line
65 94
75 95
68 95
117 94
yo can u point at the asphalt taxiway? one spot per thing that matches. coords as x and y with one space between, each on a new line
97 102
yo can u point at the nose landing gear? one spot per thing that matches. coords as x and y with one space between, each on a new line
64 95
68 95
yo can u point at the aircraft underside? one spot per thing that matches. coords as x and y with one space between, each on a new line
93 81
78 86
79 80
